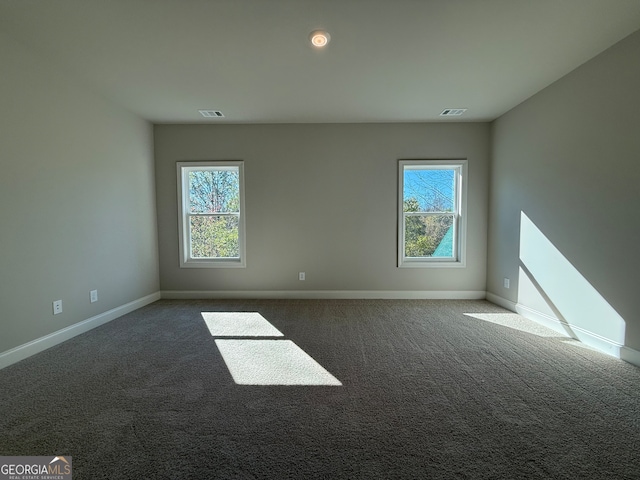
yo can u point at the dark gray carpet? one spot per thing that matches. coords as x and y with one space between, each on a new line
427 393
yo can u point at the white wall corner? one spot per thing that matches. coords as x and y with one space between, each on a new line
40 344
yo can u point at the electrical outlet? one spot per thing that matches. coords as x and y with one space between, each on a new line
301 276
57 307
94 296
506 282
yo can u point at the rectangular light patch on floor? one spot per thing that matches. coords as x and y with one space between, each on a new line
239 324
272 362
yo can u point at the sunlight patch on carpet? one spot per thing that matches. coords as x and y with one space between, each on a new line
272 362
239 324
517 322
577 343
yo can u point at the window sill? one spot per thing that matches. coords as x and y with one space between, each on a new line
430 264
231 263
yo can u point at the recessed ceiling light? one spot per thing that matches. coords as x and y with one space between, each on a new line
319 38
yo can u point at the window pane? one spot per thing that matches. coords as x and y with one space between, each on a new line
214 236
428 236
214 191
429 190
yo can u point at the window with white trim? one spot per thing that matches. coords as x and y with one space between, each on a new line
431 213
211 209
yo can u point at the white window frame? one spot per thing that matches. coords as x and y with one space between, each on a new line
186 260
460 215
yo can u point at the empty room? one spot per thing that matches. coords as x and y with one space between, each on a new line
295 239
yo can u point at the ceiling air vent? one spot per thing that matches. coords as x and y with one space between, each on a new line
211 113
453 112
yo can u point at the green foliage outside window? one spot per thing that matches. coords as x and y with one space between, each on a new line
424 233
214 205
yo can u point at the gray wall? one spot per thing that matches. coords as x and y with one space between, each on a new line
569 158
77 201
321 199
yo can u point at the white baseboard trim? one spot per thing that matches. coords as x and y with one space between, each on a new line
323 294
587 337
591 339
40 344
630 355
544 319
501 302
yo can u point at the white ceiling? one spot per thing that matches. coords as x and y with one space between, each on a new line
388 61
